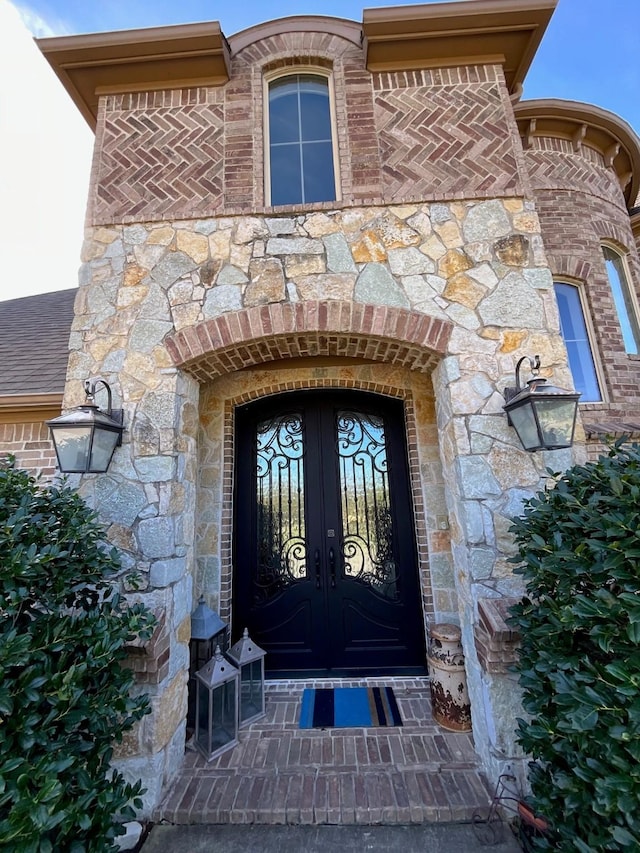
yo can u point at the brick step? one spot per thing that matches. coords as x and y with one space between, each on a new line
314 796
278 773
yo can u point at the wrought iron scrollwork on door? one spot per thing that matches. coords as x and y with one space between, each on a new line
281 543
367 530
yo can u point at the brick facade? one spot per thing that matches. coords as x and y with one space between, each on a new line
31 445
580 204
426 280
445 133
420 135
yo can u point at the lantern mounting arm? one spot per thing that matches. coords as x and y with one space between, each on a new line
90 390
534 366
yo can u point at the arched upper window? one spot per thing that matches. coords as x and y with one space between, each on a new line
301 160
623 299
576 339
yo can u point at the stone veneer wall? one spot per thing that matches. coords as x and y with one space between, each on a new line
580 205
163 303
31 445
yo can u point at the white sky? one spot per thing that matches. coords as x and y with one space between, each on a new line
45 144
45 159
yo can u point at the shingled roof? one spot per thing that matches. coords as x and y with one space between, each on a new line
34 343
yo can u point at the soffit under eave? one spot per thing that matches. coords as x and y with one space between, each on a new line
29 408
506 32
182 56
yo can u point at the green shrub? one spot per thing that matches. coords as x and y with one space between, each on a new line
64 696
579 664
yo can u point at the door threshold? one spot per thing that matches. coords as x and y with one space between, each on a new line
350 675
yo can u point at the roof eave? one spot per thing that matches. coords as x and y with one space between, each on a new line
589 125
182 56
505 32
29 408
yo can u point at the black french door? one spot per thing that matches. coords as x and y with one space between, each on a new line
326 575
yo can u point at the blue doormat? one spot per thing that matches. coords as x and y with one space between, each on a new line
349 707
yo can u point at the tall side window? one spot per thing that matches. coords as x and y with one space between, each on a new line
576 339
301 167
623 299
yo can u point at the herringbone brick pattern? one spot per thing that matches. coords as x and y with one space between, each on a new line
444 140
160 162
282 774
573 172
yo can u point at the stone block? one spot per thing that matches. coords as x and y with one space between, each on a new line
131 836
376 285
150 770
165 572
172 267
169 709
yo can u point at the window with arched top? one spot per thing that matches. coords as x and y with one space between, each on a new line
576 338
300 149
623 298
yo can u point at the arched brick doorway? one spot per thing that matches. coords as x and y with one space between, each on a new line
301 343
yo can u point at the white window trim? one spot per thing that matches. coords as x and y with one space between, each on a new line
591 336
291 71
623 254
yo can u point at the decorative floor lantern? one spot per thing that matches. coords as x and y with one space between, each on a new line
216 706
249 658
207 631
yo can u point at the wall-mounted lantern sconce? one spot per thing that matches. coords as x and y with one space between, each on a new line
543 416
86 437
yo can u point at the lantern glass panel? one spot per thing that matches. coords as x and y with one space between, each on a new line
556 419
223 729
251 690
217 724
202 722
525 425
72 447
104 443
201 652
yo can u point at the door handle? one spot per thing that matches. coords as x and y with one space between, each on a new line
316 558
332 567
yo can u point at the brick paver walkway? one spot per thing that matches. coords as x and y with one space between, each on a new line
281 774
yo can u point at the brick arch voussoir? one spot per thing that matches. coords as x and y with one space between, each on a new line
273 51
257 335
569 266
614 232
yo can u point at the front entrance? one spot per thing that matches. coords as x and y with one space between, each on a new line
326 574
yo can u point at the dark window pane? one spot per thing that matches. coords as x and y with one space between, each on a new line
284 124
300 133
319 180
315 117
284 86
312 83
623 302
286 182
576 339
